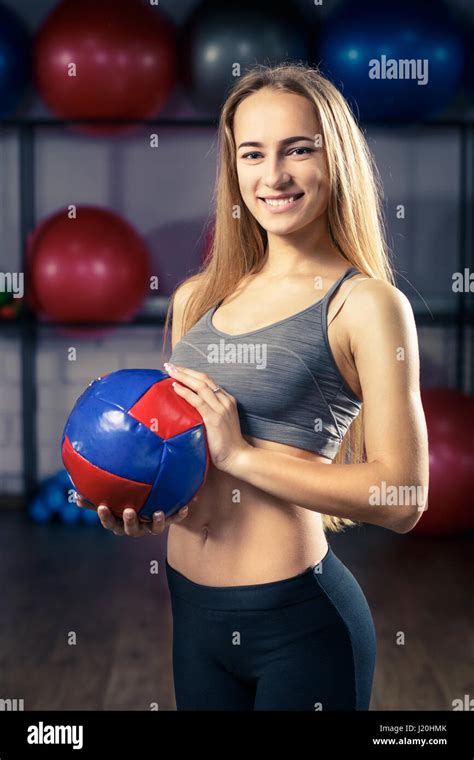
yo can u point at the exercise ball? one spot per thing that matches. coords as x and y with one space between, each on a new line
365 54
131 441
50 498
113 59
450 420
15 60
217 36
93 268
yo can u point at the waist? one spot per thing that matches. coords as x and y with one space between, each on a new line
259 596
235 533
256 549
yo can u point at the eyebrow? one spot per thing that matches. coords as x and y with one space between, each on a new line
285 141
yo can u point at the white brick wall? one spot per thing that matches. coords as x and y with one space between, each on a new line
90 364
60 382
10 458
49 458
11 362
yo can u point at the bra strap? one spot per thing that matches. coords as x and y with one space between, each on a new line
339 281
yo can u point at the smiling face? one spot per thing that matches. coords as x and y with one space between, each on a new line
271 162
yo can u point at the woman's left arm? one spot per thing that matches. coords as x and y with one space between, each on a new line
384 343
383 491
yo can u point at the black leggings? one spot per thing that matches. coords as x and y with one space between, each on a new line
302 643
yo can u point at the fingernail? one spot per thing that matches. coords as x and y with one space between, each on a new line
184 510
159 515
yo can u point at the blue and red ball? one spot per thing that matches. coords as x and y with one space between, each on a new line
131 441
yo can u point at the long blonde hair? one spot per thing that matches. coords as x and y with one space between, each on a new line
355 215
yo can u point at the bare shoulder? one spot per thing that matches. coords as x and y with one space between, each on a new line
180 298
185 290
376 305
370 296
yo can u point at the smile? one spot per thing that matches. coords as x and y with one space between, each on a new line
278 206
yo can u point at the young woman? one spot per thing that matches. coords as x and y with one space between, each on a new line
292 323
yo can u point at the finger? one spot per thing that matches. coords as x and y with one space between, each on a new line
158 524
131 524
200 383
109 521
83 503
184 371
199 398
178 516
198 375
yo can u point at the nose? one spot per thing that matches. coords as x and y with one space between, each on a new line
275 176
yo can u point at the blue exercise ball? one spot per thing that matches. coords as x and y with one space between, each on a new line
39 510
15 60
398 61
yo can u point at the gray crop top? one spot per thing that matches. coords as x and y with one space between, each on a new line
284 378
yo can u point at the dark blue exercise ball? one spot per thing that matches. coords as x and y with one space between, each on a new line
218 37
366 50
15 60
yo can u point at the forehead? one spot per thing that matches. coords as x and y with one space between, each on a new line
268 116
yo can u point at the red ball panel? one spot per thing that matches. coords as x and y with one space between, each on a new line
100 487
176 416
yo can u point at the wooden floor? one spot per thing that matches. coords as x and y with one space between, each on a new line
62 581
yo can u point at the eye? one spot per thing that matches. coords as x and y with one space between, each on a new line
310 150
256 153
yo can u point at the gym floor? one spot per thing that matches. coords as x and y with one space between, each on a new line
89 623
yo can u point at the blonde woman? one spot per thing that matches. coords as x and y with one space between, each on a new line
299 352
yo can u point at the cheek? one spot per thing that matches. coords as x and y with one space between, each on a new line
246 182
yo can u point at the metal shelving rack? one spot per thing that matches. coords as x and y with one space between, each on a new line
27 324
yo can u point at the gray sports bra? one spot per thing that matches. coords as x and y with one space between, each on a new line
284 378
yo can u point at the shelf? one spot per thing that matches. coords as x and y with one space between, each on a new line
423 319
209 121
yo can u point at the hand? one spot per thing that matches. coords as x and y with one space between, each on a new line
131 525
218 411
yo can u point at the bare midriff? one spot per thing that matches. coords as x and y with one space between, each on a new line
236 534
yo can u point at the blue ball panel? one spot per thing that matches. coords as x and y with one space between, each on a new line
110 439
126 386
180 475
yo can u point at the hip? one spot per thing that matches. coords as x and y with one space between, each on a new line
323 596
309 638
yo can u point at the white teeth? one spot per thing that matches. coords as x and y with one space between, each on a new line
283 202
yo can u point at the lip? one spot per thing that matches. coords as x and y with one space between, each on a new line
284 207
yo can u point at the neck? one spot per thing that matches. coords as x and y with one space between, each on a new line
298 253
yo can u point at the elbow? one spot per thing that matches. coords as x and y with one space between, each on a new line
408 522
407 517
408 497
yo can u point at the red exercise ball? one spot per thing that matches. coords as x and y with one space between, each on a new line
93 268
450 421
106 59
